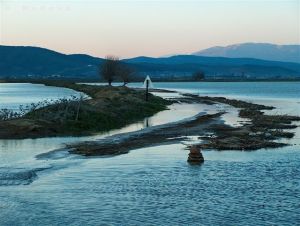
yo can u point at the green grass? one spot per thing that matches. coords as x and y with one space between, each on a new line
109 108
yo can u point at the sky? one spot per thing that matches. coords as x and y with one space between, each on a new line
132 28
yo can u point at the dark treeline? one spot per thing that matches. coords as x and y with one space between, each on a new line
114 70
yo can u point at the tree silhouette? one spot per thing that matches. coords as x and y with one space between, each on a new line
125 72
108 69
198 75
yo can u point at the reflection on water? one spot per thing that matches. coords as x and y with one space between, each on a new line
21 150
156 186
146 122
230 188
12 95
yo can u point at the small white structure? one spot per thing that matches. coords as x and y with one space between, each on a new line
150 84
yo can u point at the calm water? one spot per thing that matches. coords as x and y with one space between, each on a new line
12 95
155 186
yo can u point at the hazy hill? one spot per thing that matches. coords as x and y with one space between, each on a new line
266 51
25 61
185 65
34 62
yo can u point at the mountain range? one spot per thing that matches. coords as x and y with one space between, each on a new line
265 51
21 62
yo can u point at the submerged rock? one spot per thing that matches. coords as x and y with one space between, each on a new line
195 155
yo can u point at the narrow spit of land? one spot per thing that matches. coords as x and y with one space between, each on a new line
114 107
107 108
261 131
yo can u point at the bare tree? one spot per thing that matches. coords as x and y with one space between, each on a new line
108 69
198 75
125 72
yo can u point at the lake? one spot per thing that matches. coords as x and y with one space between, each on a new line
153 186
12 95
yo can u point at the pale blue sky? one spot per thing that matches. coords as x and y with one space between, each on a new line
153 28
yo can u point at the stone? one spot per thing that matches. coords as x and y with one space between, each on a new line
195 156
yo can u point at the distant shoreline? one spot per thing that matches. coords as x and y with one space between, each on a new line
42 81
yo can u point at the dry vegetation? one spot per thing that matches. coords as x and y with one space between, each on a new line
108 108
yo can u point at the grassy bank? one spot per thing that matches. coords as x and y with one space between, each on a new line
108 108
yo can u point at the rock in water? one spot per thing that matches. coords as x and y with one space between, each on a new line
195 155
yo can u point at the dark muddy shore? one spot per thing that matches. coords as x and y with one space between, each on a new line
114 107
262 131
157 135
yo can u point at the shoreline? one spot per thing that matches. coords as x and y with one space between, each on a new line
42 81
107 108
49 81
261 131
152 136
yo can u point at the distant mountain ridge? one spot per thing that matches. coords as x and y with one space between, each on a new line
34 62
215 67
265 51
